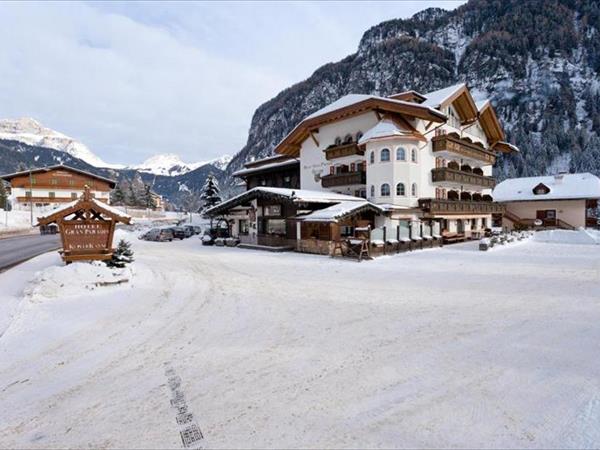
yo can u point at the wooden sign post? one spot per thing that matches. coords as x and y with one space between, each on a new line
86 228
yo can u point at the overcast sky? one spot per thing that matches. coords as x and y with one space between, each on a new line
135 79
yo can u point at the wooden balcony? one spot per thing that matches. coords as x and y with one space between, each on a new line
339 151
442 206
445 174
452 144
344 179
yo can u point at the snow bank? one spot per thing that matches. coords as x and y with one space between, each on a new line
73 279
580 236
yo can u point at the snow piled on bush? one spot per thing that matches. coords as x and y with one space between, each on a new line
70 280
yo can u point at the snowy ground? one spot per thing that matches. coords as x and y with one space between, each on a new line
14 221
448 347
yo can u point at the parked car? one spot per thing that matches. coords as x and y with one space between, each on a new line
158 235
189 230
179 232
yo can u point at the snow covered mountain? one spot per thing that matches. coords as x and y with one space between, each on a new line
170 164
31 132
543 80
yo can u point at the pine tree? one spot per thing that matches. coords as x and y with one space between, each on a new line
132 198
3 195
210 192
118 196
148 199
122 255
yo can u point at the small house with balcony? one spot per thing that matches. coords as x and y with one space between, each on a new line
567 201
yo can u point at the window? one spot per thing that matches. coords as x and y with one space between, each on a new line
273 210
385 154
28 194
348 139
53 181
73 195
385 190
33 180
413 155
400 189
243 226
372 158
71 182
338 141
372 191
413 190
51 194
276 226
400 154
359 135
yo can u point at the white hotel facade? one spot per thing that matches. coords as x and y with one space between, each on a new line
432 162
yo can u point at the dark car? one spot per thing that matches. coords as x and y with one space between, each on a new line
178 232
158 235
189 230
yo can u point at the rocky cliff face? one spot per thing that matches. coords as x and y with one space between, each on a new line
537 60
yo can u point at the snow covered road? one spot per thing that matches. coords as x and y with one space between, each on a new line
441 348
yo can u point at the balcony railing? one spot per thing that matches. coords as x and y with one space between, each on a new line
442 206
453 144
339 151
446 174
344 179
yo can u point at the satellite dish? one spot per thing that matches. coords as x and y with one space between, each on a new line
538 222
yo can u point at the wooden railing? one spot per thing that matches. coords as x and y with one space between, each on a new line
452 144
344 179
458 176
443 206
339 151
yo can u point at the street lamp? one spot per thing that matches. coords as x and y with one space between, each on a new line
31 195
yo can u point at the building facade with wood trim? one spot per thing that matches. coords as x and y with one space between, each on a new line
54 186
421 157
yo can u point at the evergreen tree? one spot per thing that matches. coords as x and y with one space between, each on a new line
132 197
147 198
118 196
210 192
122 255
3 195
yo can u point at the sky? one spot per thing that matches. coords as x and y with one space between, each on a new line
134 79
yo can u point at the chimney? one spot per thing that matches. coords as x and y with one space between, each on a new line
559 177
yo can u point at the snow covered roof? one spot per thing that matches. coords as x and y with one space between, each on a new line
352 99
293 195
338 211
561 187
266 167
437 98
383 129
9 176
482 104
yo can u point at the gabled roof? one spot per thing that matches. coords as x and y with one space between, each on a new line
10 176
290 195
409 96
88 203
348 106
561 187
490 123
387 128
457 95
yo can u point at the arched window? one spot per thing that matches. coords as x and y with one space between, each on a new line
372 158
385 154
400 189
413 155
385 190
338 141
400 154
413 190
359 135
372 191
348 139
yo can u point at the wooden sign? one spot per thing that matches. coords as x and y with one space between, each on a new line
86 228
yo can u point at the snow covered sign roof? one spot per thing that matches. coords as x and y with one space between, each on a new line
558 187
339 211
85 203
